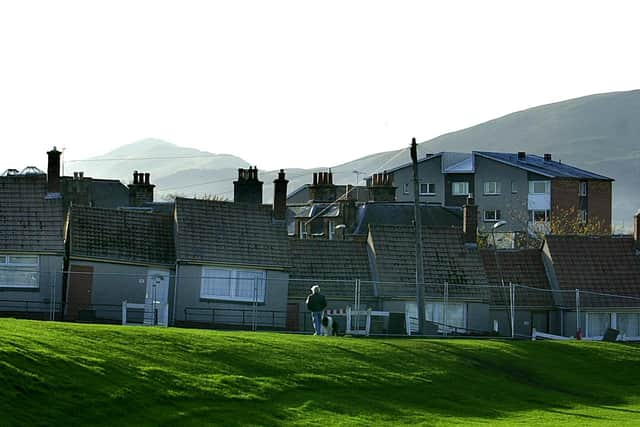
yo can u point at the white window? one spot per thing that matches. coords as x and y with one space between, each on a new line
303 229
19 271
456 315
514 187
491 187
428 189
539 215
492 215
583 189
460 188
539 187
405 188
232 284
332 230
597 324
628 324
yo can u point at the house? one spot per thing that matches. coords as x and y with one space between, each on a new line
340 268
454 276
596 282
232 258
527 191
31 241
117 255
532 297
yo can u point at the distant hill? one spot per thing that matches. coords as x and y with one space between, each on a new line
600 133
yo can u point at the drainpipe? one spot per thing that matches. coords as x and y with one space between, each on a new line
175 293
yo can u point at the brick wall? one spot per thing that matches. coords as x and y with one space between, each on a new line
564 198
600 203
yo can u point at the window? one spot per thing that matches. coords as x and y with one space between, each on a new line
303 229
628 324
583 189
514 187
491 187
492 215
405 188
456 315
19 271
539 215
597 324
428 189
460 188
539 187
232 284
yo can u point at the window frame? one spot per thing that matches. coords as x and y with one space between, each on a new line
497 215
460 193
405 188
429 186
496 188
546 183
12 268
235 280
583 189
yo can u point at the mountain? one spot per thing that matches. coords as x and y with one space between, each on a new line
600 133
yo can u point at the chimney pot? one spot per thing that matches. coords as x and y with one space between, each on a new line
547 157
522 155
146 178
53 171
280 196
315 178
636 228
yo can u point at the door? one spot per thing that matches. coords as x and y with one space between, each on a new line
292 317
540 321
156 302
80 283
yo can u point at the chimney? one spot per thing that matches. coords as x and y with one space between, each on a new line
323 189
141 191
280 196
470 221
381 187
53 174
522 156
547 157
636 228
248 189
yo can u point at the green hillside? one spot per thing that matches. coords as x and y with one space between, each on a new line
76 375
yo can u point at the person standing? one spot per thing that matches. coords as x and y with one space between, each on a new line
316 303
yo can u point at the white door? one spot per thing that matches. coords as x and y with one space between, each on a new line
156 302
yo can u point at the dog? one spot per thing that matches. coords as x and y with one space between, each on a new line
330 326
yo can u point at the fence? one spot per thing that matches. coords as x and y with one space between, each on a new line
254 300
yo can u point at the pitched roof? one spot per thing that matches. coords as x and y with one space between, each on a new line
121 235
522 267
214 232
333 264
28 220
537 164
445 259
596 265
401 213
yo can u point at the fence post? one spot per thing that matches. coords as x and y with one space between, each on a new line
578 331
444 311
513 312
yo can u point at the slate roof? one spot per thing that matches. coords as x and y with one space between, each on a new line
121 235
401 213
445 259
537 164
522 267
28 221
597 264
332 264
214 232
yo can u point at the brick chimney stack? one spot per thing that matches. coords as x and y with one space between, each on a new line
248 189
470 221
141 191
53 174
280 196
323 189
381 187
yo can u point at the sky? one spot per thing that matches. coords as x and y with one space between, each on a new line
293 83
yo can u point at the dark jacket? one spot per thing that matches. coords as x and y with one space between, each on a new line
316 302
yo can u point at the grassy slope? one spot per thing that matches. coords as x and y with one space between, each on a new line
54 374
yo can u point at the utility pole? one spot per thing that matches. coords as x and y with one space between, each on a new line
418 225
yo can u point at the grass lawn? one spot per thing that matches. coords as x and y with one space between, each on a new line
72 374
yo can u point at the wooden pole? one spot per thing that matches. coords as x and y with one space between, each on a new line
418 228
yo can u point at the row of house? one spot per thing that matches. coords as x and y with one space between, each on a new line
235 264
525 191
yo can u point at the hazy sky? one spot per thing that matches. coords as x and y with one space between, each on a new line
293 83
